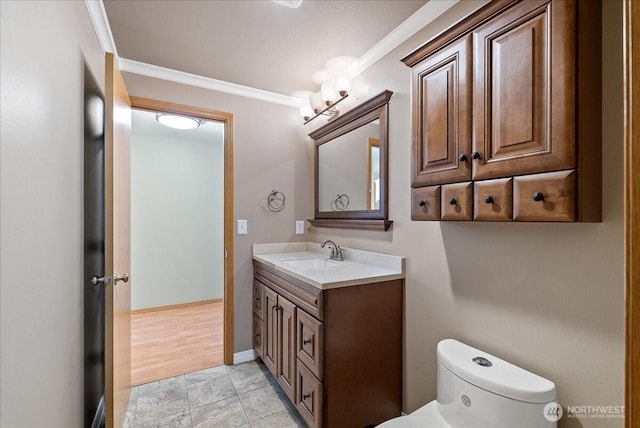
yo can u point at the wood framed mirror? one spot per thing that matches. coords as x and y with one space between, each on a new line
352 168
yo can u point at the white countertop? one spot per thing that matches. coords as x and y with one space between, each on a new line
359 267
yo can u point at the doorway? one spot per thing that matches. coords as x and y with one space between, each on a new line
191 282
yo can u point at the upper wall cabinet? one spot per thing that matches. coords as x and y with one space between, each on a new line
511 90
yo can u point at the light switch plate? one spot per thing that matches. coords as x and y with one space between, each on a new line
300 227
241 227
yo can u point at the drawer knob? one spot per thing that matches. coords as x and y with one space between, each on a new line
537 196
422 203
305 396
475 155
306 341
488 200
452 201
462 158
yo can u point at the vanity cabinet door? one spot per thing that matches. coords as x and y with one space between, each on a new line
257 298
310 342
523 91
442 116
286 352
308 398
270 329
257 335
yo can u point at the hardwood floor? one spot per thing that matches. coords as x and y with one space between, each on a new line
172 341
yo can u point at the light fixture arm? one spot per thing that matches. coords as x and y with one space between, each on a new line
327 110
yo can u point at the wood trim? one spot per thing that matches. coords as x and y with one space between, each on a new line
632 210
455 30
371 143
227 120
177 306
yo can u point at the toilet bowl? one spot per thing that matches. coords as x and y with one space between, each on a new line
479 390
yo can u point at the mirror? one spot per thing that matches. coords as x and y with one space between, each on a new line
351 168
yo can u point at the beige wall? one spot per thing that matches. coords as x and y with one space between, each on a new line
548 297
41 166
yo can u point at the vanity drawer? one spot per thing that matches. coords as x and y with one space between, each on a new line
545 197
310 342
425 203
258 291
493 200
308 396
257 335
457 201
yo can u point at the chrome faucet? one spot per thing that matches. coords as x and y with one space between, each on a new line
337 253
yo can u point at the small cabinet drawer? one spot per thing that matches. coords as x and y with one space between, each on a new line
425 203
457 201
309 342
257 335
308 396
545 197
493 200
258 290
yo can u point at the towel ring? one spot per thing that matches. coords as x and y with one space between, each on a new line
276 201
341 202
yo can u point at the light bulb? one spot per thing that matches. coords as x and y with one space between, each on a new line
306 111
328 93
343 84
316 102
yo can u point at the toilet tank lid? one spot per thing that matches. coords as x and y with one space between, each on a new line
500 377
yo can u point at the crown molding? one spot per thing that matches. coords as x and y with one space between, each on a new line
150 70
410 26
101 25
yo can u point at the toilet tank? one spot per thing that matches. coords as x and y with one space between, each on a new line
479 390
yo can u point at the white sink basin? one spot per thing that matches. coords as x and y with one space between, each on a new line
312 263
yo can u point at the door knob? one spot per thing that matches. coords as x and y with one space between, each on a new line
116 278
106 280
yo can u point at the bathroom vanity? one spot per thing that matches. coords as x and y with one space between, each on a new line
331 331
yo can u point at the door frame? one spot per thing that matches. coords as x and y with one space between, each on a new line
227 120
631 28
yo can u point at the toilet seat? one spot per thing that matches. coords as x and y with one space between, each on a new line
426 416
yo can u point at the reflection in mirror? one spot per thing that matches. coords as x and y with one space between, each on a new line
349 170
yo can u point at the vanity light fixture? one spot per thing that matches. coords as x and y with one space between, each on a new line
335 84
293 4
178 122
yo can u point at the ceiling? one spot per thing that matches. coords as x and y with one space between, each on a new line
258 43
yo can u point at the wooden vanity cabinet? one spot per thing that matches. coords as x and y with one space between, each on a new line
529 89
343 346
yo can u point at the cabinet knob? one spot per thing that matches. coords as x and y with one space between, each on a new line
305 396
537 196
488 200
475 155
462 158
422 203
452 201
306 341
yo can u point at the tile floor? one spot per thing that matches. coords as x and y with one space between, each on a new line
245 395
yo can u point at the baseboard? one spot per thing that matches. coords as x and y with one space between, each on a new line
244 356
177 306
98 418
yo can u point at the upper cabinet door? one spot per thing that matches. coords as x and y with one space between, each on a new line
442 116
523 95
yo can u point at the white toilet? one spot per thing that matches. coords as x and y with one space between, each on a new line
478 390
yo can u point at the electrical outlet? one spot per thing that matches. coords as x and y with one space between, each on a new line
242 227
300 227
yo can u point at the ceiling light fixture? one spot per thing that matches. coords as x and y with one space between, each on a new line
335 84
178 122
